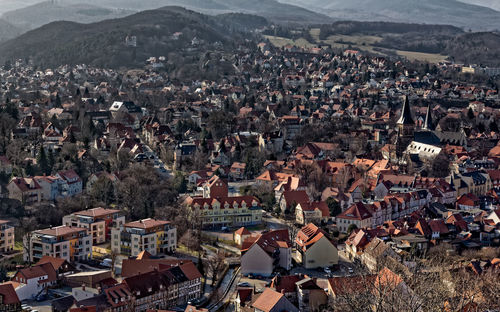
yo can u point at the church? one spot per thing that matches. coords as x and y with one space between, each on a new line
425 144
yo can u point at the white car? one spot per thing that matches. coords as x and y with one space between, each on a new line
327 270
350 270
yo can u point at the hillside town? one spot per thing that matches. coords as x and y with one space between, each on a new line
306 179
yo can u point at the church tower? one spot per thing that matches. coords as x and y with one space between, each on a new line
405 127
428 120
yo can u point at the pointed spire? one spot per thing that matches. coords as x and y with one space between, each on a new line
406 118
428 120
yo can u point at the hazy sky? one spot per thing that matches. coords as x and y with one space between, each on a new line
7 5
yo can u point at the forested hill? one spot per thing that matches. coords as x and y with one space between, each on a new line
103 43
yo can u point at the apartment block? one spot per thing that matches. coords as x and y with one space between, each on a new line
98 221
151 235
65 242
6 236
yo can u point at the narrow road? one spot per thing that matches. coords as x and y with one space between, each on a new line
228 292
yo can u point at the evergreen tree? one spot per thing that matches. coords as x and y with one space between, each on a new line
29 170
43 162
58 103
199 265
470 113
493 126
51 159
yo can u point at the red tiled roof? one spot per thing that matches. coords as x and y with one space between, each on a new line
132 267
321 206
297 197
56 262
285 283
269 241
96 212
61 230
8 293
267 300
39 271
242 231
190 270
357 211
438 226
309 235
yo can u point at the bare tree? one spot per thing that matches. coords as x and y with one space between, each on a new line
215 264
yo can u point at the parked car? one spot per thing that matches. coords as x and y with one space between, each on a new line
327 270
244 284
106 263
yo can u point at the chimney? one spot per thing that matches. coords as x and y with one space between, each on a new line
283 291
83 287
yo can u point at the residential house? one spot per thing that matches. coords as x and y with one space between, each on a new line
50 186
261 254
376 253
357 216
310 297
5 165
468 202
240 235
25 190
272 301
237 171
151 235
9 301
34 280
312 212
61 266
72 185
439 230
315 249
161 289
290 199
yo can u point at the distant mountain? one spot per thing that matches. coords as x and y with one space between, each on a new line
493 4
42 13
8 31
452 12
103 43
270 9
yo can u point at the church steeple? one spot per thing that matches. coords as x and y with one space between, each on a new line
406 118
428 120
406 129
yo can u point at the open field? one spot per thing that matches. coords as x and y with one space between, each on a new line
426 57
281 42
359 42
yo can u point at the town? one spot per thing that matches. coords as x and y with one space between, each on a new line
306 179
